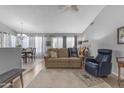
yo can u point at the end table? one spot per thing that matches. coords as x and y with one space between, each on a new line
120 61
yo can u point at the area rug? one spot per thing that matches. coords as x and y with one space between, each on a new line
66 78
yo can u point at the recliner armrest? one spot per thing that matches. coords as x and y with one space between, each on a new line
104 64
91 60
105 67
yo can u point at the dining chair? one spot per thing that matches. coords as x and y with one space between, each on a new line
29 52
23 55
34 53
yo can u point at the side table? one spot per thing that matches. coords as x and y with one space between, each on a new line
120 62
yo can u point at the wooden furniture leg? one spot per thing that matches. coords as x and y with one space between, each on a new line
11 84
21 78
119 77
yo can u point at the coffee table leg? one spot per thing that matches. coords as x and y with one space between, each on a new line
21 78
119 77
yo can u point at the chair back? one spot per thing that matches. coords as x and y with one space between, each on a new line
29 49
34 51
104 55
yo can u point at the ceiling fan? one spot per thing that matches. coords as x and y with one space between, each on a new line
69 7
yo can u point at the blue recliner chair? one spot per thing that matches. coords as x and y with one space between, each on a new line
101 65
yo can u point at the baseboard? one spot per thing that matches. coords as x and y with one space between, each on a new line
116 74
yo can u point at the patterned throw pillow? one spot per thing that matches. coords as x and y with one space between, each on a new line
53 54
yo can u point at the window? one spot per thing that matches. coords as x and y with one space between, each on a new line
70 42
0 39
6 40
25 42
38 46
60 42
13 41
57 42
54 42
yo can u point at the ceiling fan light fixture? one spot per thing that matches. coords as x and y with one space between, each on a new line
69 8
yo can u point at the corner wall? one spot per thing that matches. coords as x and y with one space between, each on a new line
9 58
5 28
103 33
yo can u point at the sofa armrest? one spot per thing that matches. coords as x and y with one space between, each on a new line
46 57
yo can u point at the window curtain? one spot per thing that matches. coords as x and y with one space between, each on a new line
70 42
6 40
25 42
13 41
44 47
38 46
57 42
0 39
32 42
38 42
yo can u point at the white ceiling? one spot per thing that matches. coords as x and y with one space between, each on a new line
48 18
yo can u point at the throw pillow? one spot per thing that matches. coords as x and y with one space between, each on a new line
73 52
53 54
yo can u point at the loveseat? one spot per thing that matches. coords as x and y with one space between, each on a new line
64 58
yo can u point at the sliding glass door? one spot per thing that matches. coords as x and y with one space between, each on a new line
13 41
37 42
38 46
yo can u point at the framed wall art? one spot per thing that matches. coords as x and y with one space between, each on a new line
120 35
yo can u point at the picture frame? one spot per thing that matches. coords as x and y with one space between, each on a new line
120 35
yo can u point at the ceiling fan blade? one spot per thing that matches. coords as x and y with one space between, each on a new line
74 8
69 7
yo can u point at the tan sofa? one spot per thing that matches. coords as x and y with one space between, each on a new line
62 60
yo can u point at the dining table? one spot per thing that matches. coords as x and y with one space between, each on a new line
26 54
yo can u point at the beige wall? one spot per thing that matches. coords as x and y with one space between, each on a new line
103 33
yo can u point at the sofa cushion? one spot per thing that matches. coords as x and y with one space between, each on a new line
52 60
52 49
63 52
63 59
53 54
74 59
57 60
